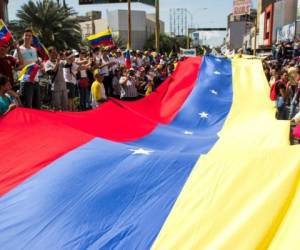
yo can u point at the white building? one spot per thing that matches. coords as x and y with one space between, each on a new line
142 26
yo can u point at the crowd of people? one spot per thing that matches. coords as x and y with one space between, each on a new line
92 76
282 70
78 80
283 74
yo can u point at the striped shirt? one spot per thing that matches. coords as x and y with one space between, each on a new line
129 88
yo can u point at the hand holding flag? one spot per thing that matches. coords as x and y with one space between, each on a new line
28 73
42 51
5 34
127 59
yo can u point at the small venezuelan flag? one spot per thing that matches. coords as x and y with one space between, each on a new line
42 51
5 35
103 38
127 59
28 73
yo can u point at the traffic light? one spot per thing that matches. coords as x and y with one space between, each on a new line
149 2
86 1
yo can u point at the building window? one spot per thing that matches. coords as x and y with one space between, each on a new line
268 25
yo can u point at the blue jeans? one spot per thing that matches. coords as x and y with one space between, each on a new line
294 105
84 94
282 110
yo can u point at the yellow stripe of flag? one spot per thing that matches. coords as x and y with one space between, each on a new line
100 34
245 193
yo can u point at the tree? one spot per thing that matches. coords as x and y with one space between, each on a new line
167 43
118 41
55 24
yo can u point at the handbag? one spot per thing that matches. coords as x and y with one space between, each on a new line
83 82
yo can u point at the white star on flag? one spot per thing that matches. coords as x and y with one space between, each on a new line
188 132
218 60
217 73
141 151
214 92
203 115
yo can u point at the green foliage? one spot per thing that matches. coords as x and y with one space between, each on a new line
119 42
167 43
55 24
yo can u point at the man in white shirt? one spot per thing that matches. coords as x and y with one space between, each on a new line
30 91
107 64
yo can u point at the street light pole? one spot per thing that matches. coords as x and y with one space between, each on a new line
129 25
188 40
255 35
157 28
187 30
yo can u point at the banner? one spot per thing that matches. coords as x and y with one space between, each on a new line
298 11
196 39
241 7
187 52
287 32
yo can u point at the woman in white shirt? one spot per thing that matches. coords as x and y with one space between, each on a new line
70 70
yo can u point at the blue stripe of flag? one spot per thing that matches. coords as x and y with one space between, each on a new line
107 38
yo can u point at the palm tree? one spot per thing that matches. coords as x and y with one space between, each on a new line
118 41
55 24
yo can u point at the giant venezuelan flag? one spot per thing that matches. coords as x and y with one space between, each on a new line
199 164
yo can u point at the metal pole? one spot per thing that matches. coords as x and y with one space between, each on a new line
129 25
255 35
93 23
187 38
157 29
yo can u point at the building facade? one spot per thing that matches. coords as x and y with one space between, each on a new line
142 26
237 28
277 21
3 10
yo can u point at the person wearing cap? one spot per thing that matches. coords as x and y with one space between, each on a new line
83 81
97 90
30 91
8 63
107 62
70 71
54 68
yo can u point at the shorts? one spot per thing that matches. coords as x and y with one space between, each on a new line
71 90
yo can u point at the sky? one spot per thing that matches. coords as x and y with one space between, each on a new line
202 13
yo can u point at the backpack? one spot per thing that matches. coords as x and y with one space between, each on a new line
273 94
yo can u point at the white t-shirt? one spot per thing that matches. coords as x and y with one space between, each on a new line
29 56
70 72
59 80
105 69
83 73
139 61
120 60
